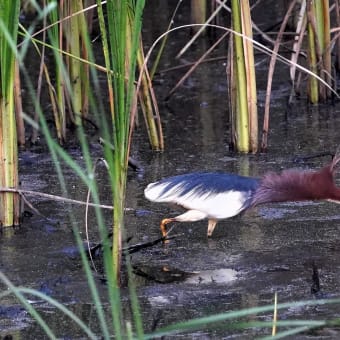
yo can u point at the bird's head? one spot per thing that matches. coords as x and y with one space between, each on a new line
298 185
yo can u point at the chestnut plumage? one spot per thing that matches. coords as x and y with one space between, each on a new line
216 196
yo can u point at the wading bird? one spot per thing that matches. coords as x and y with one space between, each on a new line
217 196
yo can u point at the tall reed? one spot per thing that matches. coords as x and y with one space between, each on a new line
319 52
120 37
243 83
9 202
68 33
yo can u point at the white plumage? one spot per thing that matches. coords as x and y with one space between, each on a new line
212 205
214 196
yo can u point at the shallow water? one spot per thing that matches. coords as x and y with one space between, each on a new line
273 248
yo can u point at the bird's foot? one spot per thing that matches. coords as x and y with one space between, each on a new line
164 231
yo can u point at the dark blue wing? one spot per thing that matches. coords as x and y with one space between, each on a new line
208 182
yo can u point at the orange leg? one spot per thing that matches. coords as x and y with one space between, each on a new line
163 227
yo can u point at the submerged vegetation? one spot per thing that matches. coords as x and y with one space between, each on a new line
78 99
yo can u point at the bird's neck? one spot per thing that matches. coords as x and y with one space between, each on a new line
295 185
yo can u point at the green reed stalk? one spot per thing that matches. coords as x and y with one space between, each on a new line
251 76
326 48
320 43
73 39
9 202
319 48
147 104
84 24
146 96
135 11
71 86
58 96
313 88
18 107
111 271
121 58
241 102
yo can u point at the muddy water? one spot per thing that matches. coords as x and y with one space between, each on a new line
274 248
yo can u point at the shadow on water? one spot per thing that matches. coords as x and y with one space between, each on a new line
289 248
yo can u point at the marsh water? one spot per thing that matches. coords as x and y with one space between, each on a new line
291 249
